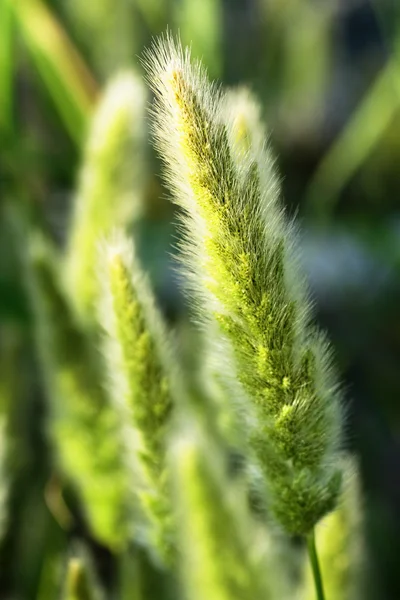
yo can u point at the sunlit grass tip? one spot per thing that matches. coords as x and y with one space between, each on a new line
111 183
83 426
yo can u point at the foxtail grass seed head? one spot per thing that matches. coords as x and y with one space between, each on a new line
141 377
221 557
110 187
242 109
248 140
241 259
83 424
218 392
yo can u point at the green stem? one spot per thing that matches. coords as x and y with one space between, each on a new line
313 555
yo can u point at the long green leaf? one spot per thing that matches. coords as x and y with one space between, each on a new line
6 67
68 80
354 144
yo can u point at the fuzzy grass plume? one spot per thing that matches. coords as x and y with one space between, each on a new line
239 252
220 555
83 424
240 107
110 186
137 354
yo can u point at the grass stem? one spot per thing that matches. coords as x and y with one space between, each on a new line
313 555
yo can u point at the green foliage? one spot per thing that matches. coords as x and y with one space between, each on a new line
3 474
150 459
7 393
6 67
106 30
350 150
60 67
202 30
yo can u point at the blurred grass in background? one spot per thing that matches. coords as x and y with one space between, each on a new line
328 76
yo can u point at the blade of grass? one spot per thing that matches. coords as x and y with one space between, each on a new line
6 68
62 69
354 144
314 561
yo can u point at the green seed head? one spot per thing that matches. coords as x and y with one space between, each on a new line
240 254
220 552
110 187
83 424
140 379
